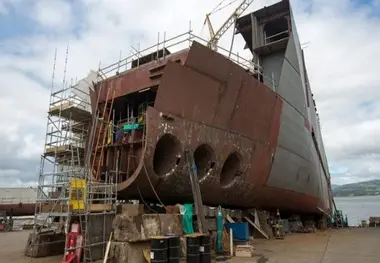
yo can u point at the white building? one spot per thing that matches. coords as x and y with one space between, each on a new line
14 195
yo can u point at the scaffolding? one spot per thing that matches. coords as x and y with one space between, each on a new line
67 192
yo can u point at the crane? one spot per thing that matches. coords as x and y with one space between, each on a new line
215 36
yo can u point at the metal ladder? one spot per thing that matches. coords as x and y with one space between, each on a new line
102 132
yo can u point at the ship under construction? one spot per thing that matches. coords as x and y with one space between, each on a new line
253 127
136 129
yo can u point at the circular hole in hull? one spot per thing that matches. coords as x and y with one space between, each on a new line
230 169
167 154
204 158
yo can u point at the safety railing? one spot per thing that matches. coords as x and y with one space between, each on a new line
177 43
73 96
275 37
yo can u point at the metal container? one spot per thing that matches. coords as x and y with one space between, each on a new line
205 249
174 249
159 250
192 249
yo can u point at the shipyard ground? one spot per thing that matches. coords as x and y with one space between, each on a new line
338 246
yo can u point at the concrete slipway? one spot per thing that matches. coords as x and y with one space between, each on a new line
351 245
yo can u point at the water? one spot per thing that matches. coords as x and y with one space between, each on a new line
358 208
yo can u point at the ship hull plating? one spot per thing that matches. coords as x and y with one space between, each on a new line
232 122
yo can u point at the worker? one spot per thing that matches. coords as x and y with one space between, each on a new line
119 134
277 226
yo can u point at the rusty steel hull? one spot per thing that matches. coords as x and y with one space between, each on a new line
210 105
248 190
20 209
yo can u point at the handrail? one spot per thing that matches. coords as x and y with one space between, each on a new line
189 37
275 35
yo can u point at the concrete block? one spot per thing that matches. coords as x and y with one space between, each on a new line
134 228
118 252
135 252
170 224
132 209
152 225
127 228
125 252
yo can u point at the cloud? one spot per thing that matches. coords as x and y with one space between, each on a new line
54 15
342 59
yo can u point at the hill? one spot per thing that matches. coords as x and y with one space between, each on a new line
358 189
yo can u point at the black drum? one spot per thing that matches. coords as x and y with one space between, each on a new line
192 249
159 250
205 249
174 245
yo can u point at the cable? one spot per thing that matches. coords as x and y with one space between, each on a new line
142 199
230 3
155 193
151 185
214 10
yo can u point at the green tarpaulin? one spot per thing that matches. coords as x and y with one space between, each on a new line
187 219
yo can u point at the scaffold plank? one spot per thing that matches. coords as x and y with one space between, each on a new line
70 111
78 128
61 151
64 208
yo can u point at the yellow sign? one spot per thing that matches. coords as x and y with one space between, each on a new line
77 193
109 137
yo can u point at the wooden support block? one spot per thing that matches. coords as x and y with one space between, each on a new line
243 251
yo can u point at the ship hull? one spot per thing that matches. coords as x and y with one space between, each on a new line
236 125
20 209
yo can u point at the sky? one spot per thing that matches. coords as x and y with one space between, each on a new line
342 49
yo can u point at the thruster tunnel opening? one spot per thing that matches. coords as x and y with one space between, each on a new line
204 158
167 155
230 169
